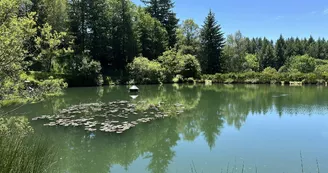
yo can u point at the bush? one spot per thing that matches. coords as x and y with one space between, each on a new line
269 75
229 81
170 64
304 64
321 69
190 66
177 79
252 81
144 71
83 71
23 151
48 86
191 80
283 69
175 63
110 81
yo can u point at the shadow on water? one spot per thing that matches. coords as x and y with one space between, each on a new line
208 109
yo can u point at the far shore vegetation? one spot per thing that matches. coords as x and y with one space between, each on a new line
49 45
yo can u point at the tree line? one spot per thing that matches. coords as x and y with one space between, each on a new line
89 42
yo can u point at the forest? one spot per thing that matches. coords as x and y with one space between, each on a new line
47 45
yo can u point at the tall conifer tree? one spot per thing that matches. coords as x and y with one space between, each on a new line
212 43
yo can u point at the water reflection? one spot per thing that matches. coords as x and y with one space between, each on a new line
208 110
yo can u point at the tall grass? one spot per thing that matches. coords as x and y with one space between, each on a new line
26 154
243 170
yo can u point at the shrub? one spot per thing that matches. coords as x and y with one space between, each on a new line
304 64
48 86
144 71
269 75
174 63
23 151
190 66
177 79
283 69
252 81
321 69
191 80
170 64
83 71
109 81
229 81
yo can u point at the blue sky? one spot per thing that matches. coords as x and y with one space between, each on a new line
258 18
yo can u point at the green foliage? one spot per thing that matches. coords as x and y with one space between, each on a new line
82 41
190 67
252 63
20 150
320 69
26 153
212 42
266 56
15 125
178 79
174 63
304 64
43 86
280 48
83 71
49 45
56 14
162 10
235 53
144 71
170 64
269 70
270 75
14 31
188 38
152 36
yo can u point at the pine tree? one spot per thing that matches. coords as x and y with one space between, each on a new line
162 10
266 55
280 54
321 48
252 47
299 49
212 43
290 48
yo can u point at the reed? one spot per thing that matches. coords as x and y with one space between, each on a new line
302 166
26 153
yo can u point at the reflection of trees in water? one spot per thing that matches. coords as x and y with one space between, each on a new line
82 153
207 109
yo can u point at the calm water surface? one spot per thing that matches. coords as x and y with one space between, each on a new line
224 128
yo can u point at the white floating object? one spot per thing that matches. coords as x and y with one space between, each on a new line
134 89
133 96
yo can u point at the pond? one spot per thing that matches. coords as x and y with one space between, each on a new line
223 128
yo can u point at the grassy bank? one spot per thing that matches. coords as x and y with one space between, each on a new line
23 151
265 78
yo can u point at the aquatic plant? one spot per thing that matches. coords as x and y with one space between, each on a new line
116 116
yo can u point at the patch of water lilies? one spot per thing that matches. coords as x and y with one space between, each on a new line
112 117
